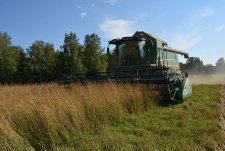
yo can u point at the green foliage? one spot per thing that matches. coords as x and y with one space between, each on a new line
193 64
8 58
220 62
23 73
93 58
42 61
103 62
220 65
70 59
112 61
196 66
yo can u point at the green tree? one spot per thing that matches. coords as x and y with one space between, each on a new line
220 65
93 58
42 61
23 74
49 60
193 64
220 62
59 69
112 61
209 68
8 58
70 59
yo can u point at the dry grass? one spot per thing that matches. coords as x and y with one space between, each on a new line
108 116
46 116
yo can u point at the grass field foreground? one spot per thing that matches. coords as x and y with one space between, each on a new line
107 117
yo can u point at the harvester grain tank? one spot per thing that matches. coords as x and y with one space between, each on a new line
145 58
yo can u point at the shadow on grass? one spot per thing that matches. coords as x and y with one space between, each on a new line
166 102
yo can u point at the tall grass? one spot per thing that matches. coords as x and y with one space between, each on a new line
49 117
108 116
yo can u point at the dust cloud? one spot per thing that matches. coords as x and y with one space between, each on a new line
207 79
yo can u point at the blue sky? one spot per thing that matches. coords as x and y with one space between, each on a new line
197 26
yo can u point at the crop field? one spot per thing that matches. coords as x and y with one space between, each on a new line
109 116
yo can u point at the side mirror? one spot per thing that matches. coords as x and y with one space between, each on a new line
186 74
107 50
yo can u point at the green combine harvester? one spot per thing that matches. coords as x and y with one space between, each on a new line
144 58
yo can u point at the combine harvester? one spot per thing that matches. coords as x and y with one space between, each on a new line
144 58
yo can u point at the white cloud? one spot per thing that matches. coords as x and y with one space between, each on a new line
186 41
80 7
207 12
117 28
83 14
112 2
189 33
202 14
220 28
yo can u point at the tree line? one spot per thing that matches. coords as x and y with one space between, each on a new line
195 65
41 62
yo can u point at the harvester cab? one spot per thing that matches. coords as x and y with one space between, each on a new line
146 58
144 50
